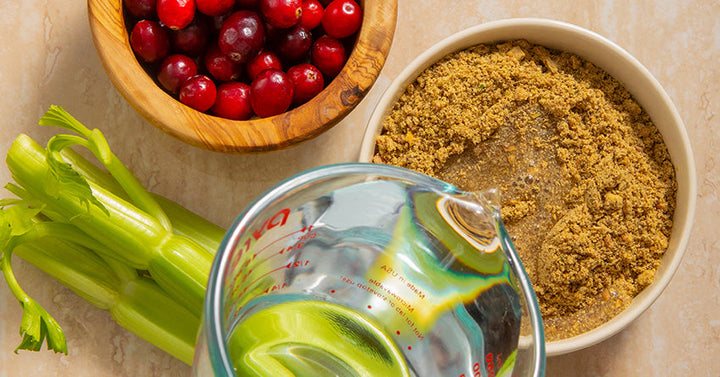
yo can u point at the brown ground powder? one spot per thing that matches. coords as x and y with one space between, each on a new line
587 184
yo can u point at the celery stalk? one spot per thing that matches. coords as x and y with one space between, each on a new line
133 235
184 221
136 303
65 253
140 256
146 311
77 268
189 224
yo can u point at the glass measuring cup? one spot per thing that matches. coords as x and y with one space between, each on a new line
369 270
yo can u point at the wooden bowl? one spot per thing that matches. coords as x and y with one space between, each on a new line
340 96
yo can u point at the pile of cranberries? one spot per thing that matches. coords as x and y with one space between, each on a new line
239 58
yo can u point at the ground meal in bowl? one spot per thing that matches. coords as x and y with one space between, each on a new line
588 188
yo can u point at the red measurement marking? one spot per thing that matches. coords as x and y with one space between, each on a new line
278 219
286 266
237 258
247 274
398 332
307 236
266 247
369 306
281 252
298 263
333 291
492 363
244 275
271 244
266 274
409 348
233 281
275 287
288 249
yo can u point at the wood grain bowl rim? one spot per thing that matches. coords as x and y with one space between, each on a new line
302 123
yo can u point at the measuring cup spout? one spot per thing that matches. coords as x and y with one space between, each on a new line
489 198
473 216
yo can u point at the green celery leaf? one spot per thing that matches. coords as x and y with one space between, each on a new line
63 177
56 116
15 219
37 326
94 141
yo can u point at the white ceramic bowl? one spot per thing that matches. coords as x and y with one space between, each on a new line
637 80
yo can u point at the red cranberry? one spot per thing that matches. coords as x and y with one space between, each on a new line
265 59
281 13
198 92
342 18
141 8
214 7
176 14
149 41
312 14
242 36
295 43
174 70
271 93
233 101
307 82
219 65
328 55
193 39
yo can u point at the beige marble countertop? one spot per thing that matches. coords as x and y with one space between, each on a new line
47 57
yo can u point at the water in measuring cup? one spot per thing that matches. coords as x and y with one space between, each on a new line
309 338
381 278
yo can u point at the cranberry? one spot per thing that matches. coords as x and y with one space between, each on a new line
265 59
193 39
295 43
174 70
233 101
176 14
219 65
271 93
198 92
312 14
328 55
214 7
342 18
307 82
149 41
281 13
242 36
141 8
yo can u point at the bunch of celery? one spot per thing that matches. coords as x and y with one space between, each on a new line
142 257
